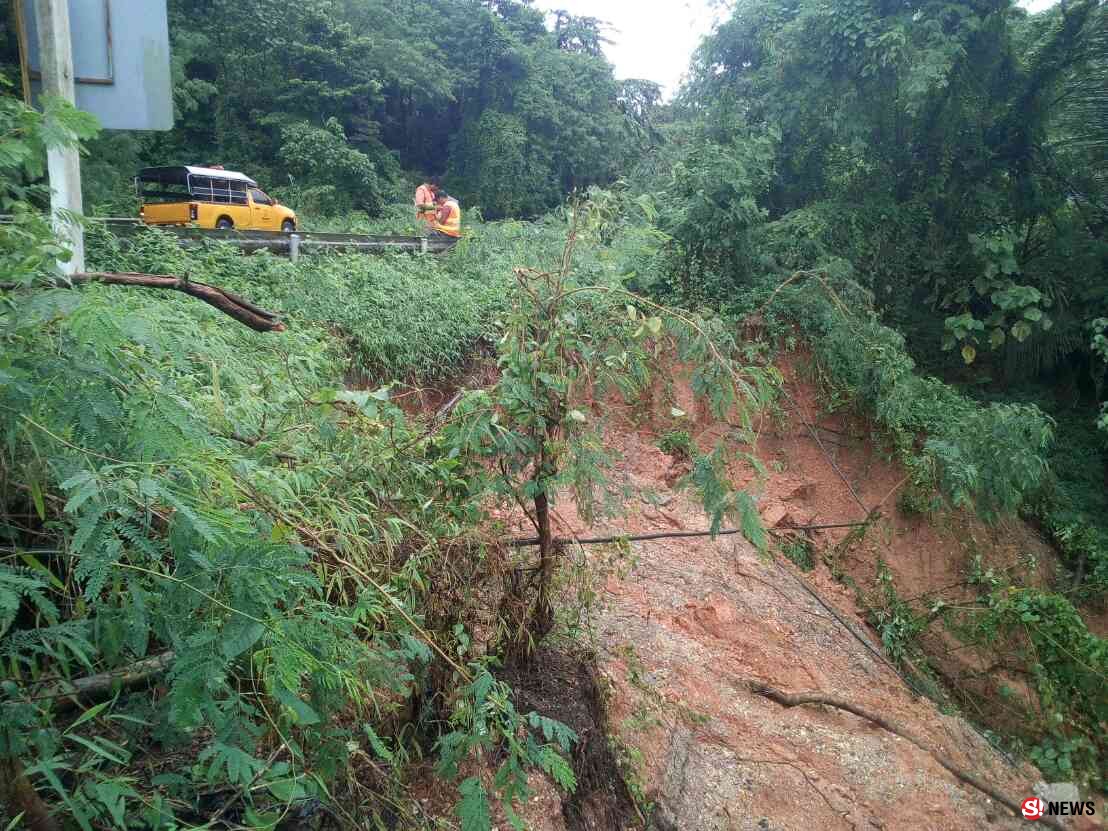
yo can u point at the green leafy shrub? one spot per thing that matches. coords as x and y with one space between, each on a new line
1068 665
994 457
895 620
799 552
1061 759
486 720
677 443
915 500
708 209
402 316
1072 506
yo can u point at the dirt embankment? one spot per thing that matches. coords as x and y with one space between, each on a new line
685 630
824 468
685 634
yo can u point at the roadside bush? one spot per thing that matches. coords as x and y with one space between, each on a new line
401 316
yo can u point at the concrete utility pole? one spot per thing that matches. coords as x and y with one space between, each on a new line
63 164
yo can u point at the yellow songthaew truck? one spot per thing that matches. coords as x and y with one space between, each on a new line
208 197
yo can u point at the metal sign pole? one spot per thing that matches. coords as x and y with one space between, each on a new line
63 164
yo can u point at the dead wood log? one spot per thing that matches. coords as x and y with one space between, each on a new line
809 697
231 304
134 674
67 693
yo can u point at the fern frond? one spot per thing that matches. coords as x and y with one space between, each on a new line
473 809
560 770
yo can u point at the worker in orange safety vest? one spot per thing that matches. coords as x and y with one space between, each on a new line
448 218
425 201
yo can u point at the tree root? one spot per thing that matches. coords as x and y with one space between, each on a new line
802 698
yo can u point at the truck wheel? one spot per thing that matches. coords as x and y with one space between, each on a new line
224 224
288 226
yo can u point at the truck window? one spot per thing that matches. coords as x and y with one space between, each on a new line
237 193
159 191
260 197
222 191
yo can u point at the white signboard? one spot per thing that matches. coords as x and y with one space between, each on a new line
120 61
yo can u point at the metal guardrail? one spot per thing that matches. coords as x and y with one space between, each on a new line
292 243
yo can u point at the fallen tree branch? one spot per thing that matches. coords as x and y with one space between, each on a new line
67 693
799 275
230 304
446 409
802 698
664 535
225 301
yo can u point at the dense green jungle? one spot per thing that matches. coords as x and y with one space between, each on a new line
245 582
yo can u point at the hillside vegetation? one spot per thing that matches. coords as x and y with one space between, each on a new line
254 580
251 524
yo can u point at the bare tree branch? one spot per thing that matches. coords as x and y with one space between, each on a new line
66 693
225 301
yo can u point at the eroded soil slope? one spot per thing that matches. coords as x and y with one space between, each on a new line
684 635
686 629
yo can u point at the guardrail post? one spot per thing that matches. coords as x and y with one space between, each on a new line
294 247
423 245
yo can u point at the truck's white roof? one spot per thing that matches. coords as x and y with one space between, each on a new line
179 174
216 173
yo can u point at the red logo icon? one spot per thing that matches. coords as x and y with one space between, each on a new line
1033 808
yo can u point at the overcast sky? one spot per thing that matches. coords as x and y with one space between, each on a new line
655 39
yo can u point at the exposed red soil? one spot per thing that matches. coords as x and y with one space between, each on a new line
696 621
842 471
425 399
684 626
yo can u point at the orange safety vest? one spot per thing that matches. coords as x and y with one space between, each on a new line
453 225
424 196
